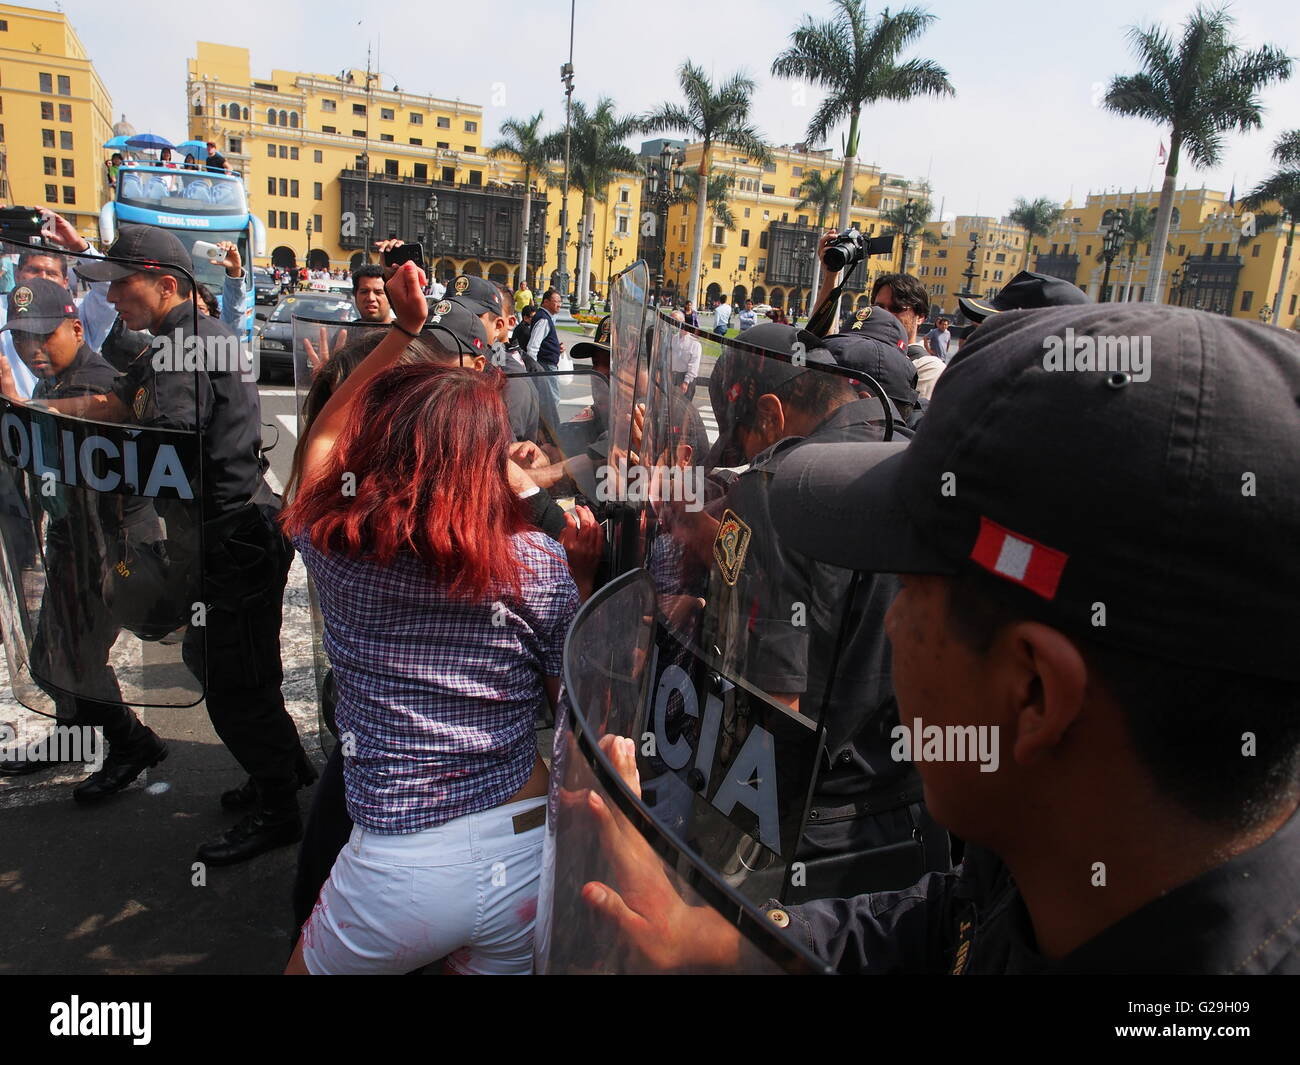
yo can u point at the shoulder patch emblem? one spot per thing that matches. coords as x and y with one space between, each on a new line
140 404
730 546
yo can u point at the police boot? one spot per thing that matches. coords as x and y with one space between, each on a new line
247 796
34 758
273 824
121 767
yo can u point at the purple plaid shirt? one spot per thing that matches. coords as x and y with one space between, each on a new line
437 698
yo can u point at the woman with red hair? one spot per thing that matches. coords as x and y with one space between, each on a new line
445 614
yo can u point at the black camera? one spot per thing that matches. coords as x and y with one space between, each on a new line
851 247
20 223
845 250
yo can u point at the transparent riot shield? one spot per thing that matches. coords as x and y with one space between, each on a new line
607 840
102 576
629 315
741 672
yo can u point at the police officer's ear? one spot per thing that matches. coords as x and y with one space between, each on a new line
770 421
77 331
478 362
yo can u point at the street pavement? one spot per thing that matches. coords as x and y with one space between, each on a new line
114 888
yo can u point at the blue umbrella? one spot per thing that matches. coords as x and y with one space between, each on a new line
198 149
148 142
116 143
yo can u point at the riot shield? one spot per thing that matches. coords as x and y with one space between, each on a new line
737 668
101 519
605 837
629 314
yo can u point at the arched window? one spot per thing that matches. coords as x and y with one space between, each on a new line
284 118
223 110
293 119
245 114
270 116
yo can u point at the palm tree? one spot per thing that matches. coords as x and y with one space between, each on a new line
1035 217
1139 228
1284 188
711 116
521 140
597 156
906 220
855 62
1202 87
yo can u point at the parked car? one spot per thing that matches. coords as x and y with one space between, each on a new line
265 288
275 335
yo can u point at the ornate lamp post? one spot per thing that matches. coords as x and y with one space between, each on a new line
909 225
678 266
309 244
1110 246
969 272
611 253
431 236
664 179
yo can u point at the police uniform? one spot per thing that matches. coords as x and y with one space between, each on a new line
246 557
1157 520
76 630
530 407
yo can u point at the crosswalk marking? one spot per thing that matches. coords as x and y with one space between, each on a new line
290 423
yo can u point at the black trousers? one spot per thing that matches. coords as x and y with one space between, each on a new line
237 653
328 829
74 634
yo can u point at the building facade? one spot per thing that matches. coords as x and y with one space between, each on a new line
55 115
947 258
360 160
768 254
1219 256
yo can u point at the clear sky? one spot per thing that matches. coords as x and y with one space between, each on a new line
1027 73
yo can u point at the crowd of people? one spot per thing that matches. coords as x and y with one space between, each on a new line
896 527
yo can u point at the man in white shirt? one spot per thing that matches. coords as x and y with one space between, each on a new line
721 317
747 319
686 359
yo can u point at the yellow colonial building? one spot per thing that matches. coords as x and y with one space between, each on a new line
55 115
768 255
1219 256
358 159
948 257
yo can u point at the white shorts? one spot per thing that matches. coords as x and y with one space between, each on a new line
465 890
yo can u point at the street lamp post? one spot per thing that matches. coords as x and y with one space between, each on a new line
909 224
309 244
664 179
969 272
611 253
566 76
1110 246
431 236
678 266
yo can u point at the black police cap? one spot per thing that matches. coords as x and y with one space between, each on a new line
39 306
1026 291
1166 490
161 249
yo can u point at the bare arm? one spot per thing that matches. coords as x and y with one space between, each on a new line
405 293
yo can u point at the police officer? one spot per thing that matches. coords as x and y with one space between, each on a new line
1113 624
247 559
491 304
868 827
76 629
875 343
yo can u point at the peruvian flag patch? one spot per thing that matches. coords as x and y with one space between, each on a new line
1018 559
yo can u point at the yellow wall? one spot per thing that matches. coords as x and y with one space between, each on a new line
1204 217
220 75
942 265
760 196
25 147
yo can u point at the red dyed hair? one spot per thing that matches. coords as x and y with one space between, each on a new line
428 447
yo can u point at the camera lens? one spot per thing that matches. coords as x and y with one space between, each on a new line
834 258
